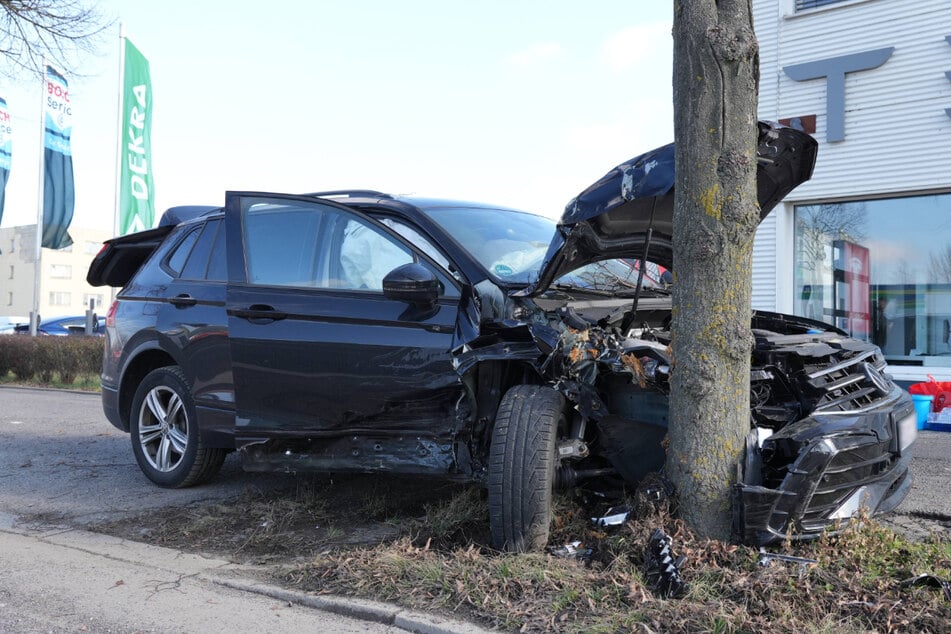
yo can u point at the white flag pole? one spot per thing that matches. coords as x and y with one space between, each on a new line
37 270
117 203
117 200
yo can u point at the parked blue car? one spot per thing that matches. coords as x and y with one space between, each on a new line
66 326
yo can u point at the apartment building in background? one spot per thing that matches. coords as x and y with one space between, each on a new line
63 287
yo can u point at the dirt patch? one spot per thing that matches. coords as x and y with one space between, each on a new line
315 515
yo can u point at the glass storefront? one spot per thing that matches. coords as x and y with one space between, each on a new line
880 270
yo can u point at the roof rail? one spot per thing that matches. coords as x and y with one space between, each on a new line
351 193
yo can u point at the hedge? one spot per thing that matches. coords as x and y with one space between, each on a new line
40 358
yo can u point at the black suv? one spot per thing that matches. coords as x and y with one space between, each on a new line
357 331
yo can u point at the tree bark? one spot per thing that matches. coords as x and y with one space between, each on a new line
716 75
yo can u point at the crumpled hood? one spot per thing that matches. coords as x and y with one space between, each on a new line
611 217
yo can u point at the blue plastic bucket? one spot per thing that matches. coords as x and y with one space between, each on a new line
922 407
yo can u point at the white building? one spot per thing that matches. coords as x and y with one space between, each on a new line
63 287
866 244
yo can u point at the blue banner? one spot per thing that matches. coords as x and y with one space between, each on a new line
58 194
6 145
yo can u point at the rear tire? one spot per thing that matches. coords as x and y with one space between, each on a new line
522 462
166 440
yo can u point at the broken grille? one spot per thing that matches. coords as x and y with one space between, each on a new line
853 385
853 467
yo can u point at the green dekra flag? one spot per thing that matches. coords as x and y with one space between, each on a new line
136 195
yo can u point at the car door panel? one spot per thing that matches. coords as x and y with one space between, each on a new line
327 361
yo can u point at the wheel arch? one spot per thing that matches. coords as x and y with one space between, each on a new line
136 368
488 381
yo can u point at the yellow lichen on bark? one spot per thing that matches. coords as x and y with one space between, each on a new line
712 202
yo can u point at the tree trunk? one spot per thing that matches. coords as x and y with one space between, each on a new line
716 72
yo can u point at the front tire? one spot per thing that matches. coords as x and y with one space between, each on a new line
522 462
165 437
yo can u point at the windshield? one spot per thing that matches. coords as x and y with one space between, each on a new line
510 245
614 277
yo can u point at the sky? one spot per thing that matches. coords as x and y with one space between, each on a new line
521 103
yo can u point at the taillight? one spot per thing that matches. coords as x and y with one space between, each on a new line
111 315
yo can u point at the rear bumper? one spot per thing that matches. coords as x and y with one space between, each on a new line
823 469
110 406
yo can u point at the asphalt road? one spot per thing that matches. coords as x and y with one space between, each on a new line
62 462
63 466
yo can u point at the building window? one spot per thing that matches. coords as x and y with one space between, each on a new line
11 271
881 271
59 298
61 271
94 298
802 5
91 248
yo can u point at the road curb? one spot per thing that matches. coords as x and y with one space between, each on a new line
227 574
384 613
41 388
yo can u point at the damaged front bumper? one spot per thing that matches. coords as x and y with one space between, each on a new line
821 470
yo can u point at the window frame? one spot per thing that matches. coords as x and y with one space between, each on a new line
207 253
922 293
356 213
165 264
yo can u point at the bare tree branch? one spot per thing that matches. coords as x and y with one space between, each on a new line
58 29
939 268
819 225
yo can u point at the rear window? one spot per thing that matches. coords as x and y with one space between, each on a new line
175 260
199 254
196 267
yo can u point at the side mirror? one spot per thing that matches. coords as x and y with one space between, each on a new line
412 283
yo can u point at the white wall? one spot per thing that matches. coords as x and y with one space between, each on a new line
897 133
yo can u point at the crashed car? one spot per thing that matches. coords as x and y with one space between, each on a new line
363 332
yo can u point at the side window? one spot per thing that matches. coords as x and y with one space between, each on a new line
197 264
366 256
281 243
175 260
421 242
319 246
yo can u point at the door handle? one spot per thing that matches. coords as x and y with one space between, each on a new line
183 300
259 314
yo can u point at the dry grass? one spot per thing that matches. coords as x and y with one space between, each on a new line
855 587
411 543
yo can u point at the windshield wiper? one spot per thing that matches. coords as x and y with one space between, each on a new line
645 290
583 289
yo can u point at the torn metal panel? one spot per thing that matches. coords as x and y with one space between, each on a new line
359 453
929 581
662 568
614 516
766 558
816 472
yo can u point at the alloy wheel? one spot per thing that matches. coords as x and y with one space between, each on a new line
163 428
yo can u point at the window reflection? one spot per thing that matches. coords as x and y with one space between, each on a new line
880 270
